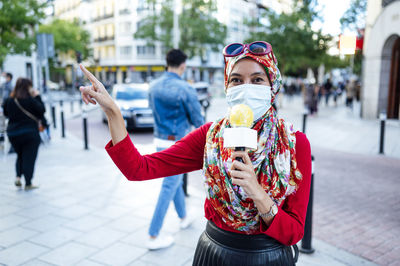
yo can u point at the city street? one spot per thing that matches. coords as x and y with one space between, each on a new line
86 213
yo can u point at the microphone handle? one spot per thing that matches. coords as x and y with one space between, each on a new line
239 149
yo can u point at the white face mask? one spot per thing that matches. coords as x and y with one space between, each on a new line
257 97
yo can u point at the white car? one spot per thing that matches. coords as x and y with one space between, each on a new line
133 101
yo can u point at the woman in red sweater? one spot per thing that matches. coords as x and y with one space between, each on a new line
255 208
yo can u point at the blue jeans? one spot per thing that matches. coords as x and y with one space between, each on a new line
171 190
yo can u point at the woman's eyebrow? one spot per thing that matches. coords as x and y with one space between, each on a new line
258 73
235 74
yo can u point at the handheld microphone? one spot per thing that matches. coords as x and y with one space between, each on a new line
240 136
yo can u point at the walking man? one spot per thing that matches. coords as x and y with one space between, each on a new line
175 108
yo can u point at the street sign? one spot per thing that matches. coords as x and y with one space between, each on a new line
347 44
45 45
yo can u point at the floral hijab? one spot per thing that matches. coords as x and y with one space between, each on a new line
274 161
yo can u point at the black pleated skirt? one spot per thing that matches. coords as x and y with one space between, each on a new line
217 247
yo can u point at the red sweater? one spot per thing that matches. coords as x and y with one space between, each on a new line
187 155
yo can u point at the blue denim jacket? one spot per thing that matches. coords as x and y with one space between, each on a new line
175 107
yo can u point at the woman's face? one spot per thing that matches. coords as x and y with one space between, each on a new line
248 71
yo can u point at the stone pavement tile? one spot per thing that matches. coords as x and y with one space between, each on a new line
56 237
15 235
86 223
7 209
68 254
45 223
112 212
37 211
36 262
20 253
137 238
88 262
100 237
175 255
128 223
11 220
188 238
119 254
326 254
143 263
352 206
74 211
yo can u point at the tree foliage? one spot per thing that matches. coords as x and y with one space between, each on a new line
17 22
296 46
199 29
69 37
354 17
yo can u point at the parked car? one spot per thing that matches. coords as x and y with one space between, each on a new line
202 94
133 101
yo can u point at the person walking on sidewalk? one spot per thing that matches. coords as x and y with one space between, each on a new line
175 108
23 109
255 209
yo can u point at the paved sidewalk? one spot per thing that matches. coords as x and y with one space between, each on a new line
86 213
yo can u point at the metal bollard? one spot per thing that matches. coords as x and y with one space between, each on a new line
382 116
306 241
184 184
304 121
85 135
62 119
53 115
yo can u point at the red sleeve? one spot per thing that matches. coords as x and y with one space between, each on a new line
184 156
288 225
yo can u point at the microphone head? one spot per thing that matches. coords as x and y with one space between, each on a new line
241 115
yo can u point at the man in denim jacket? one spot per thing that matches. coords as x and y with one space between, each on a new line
175 108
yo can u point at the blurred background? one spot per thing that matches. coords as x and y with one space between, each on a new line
340 62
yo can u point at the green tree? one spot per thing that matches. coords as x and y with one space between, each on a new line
295 44
199 29
17 23
354 17
69 37
354 20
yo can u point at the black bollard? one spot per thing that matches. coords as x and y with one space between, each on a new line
382 136
85 135
306 241
184 184
62 120
53 115
304 122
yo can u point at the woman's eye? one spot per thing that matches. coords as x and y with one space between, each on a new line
234 80
258 80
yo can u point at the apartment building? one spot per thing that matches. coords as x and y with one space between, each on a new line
119 57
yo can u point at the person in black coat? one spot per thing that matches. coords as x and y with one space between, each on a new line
24 108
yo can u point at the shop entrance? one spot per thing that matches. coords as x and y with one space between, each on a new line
394 84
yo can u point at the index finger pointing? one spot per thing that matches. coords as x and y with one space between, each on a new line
88 74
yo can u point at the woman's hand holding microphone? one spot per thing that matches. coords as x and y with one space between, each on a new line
96 93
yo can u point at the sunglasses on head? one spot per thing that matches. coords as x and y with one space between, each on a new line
255 48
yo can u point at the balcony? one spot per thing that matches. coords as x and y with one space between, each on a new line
104 39
106 16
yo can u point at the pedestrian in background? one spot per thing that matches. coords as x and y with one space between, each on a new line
256 209
175 108
7 86
328 86
23 108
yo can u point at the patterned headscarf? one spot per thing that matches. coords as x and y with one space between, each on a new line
274 161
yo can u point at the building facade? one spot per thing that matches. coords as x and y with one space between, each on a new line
119 57
381 71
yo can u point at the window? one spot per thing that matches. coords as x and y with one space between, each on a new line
125 27
125 51
145 50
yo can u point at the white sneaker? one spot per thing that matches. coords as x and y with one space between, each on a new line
161 241
186 222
